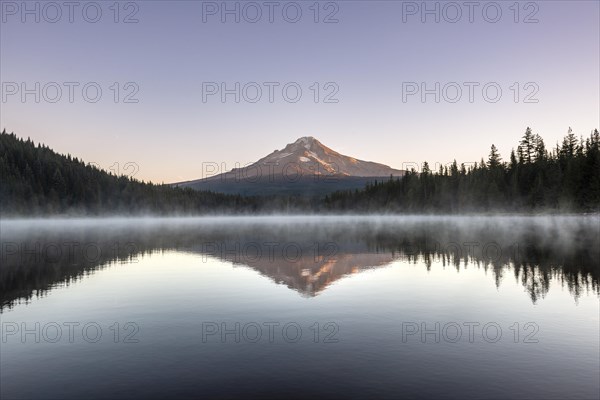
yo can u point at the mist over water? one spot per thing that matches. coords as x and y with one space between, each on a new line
563 247
377 299
542 225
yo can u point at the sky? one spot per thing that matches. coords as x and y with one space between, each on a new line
158 89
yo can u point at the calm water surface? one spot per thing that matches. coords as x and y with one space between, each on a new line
419 307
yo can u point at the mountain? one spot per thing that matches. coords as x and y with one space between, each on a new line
306 166
308 156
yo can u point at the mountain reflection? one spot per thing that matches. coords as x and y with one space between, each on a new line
307 254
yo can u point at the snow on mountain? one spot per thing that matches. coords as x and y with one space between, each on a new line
308 156
300 167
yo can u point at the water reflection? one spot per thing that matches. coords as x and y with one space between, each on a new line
307 254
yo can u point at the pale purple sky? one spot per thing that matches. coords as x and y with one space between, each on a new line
368 56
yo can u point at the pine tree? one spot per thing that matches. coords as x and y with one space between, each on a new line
569 145
527 147
539 148
494 159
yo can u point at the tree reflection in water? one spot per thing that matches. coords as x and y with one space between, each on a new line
307 254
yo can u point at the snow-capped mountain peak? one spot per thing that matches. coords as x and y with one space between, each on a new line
310 156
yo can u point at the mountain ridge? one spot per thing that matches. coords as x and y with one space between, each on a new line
300 167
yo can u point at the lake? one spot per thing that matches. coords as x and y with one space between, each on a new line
298 306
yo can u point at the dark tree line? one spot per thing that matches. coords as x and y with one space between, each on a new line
565 178
35 180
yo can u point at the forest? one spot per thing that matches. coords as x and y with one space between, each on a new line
565 178
37 181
